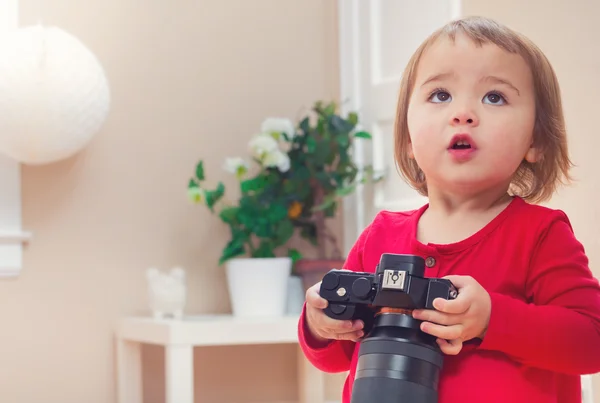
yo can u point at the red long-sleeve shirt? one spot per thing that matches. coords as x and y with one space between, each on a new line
544 328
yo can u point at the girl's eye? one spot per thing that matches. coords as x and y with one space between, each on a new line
440 96
493 98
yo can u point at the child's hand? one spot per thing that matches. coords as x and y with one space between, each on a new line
458 320
322 327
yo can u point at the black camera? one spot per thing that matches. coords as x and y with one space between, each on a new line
397 362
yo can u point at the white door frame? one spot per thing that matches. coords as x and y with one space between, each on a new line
349 34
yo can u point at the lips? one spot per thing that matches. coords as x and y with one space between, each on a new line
462 148
462 141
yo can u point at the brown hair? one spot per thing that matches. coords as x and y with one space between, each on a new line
535 182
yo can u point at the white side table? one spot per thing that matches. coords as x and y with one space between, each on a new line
179 337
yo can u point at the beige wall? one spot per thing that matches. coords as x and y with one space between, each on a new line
567 31
189 80
192 79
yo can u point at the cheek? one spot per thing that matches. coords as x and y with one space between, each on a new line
422 128
515 134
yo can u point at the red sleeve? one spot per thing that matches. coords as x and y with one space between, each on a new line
336 355
559 328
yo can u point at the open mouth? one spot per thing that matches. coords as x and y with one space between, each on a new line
462 142
461 145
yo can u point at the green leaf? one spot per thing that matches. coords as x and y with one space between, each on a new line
323 153
324 179
262 228
302 174
234 248
213 196
229 214
265 249
327 203
353 118
192 184
321 127
277 212
345 191
304 126
200 171
246 218
285 231
294 255
341 126
363 134
330 211
297 188
254 184
343 141
330 109
311 145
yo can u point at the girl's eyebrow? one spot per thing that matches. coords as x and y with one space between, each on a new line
437 77
499 80
493 79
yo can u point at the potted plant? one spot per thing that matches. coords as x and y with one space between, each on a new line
303 171
258 263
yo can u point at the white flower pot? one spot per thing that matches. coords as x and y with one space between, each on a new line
258 286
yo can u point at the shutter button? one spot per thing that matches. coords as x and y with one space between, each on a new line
430 262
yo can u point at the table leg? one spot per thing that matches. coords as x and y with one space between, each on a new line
587 389
129 371
179 373
311 381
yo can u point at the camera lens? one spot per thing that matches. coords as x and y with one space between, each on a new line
397 363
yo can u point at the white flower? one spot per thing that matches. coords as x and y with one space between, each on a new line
236 166
196 194
263 144
277 159
277 126
265 149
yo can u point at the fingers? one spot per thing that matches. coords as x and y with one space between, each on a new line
450 347
454 306
336 325
314 299
352 336
441 318
329 328
461 303
460 281
443 332
326 327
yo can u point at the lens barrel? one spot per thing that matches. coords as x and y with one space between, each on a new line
397 363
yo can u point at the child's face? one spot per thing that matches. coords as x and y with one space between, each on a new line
485 96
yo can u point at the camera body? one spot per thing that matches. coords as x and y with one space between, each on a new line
398 283
397 362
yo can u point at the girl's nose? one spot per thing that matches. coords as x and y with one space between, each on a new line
462 118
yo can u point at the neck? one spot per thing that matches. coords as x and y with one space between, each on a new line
456 202
453 216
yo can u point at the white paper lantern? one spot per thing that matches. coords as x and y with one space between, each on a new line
54 95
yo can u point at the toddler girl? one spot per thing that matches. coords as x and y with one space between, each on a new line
480 131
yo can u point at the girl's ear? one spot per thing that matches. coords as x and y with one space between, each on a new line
532 155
